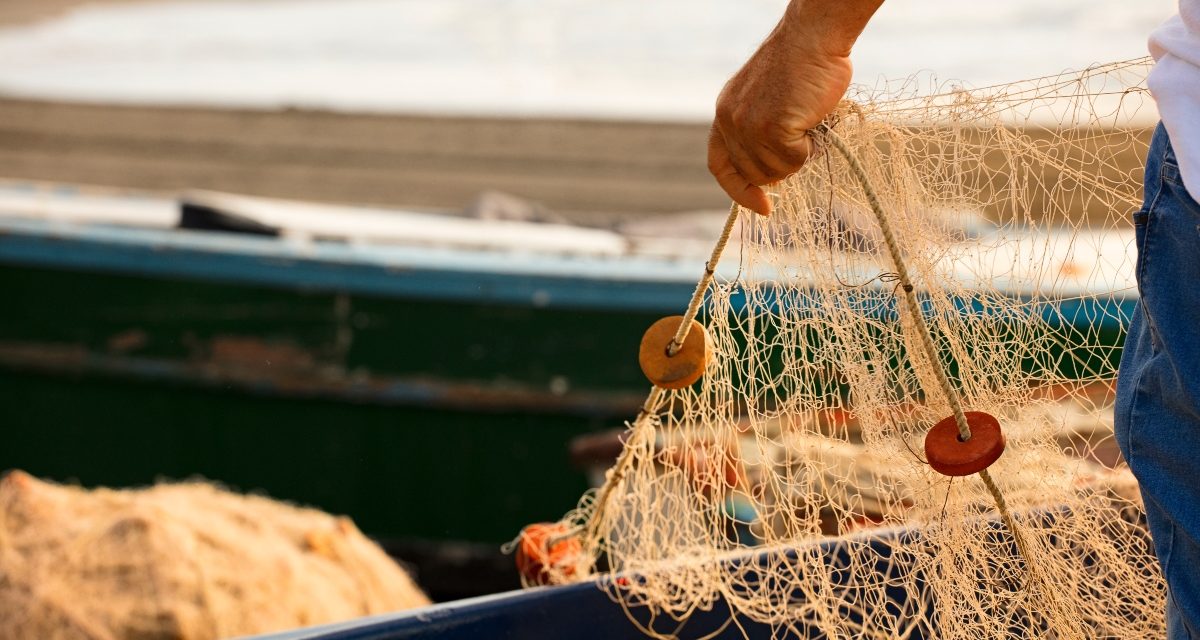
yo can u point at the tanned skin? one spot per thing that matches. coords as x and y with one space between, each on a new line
795 79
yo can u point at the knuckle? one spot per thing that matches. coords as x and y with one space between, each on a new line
793 152
742 118
780 135
715 166
774 130
777 175
725 111
718 159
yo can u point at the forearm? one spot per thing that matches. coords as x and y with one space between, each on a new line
825 26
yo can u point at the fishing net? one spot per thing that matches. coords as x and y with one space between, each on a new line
184 561
793 483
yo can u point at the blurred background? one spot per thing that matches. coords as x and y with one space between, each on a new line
390 258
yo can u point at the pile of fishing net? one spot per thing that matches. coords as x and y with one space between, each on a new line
944 256
180 561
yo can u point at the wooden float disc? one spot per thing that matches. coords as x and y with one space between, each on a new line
535 554
952 457
680 370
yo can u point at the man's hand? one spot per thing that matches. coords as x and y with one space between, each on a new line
760 134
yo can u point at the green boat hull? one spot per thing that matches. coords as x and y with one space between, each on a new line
418 419
426 419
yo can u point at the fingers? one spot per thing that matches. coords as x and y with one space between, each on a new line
789 152
739 188
740 160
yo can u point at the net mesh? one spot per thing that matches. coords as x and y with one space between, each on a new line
791 484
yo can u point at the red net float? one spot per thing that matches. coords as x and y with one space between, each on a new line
949 455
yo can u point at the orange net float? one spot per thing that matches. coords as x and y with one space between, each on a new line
949 455
686 366
709 467
545 545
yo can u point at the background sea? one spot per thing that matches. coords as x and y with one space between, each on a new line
638 59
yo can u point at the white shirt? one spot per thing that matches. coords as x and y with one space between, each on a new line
1175 84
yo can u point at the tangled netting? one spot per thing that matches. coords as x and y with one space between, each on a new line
188 561
790 484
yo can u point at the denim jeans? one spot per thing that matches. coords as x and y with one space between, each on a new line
1158 387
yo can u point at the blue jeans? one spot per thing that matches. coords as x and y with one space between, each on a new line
1158 387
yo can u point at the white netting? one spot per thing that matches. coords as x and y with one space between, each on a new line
1010 205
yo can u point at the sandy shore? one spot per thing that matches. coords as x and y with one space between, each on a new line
570 166
584 170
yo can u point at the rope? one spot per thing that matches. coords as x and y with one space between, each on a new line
910 296
710 268
650 407
617 473
924 333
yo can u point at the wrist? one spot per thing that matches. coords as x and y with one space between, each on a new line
825 28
